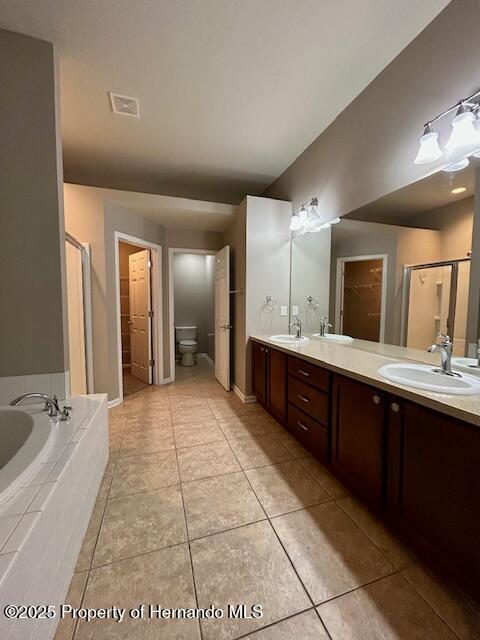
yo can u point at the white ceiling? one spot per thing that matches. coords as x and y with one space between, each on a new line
231 91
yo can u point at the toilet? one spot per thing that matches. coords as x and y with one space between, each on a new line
186 338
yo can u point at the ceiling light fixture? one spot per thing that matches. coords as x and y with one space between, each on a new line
465 133
457 166
308 219
458 190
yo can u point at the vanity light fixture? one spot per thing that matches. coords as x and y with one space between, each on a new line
465 133
456 166
307 218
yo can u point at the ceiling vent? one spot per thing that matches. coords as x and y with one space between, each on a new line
124 106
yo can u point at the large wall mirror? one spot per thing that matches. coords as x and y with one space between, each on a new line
395 272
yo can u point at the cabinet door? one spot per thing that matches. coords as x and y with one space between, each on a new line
434 488
277 384
358 440
259 367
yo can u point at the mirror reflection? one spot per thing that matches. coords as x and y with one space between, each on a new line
394 272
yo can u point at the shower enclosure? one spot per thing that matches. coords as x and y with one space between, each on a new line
435 299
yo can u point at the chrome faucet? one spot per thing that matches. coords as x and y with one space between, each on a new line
298 324
324 324
51 404
445 348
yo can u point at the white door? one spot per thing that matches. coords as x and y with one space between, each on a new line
140 321
222 317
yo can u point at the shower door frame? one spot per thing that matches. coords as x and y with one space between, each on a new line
84 249
452 303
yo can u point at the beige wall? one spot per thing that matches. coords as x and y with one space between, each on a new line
368 151
32 258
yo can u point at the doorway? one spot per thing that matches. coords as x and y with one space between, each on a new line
199 304
138 285
361 297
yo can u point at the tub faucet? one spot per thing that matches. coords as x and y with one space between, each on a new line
51 403
324 324
445 348
298 324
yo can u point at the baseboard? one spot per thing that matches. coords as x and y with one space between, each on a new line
165 381
115 402
245 399
207 358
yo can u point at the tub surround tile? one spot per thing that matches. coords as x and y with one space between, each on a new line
258 451
205 461
41 474
42 497
20 503
216 504
7 525
139 523
303 626
331 554
285 487
389 609
144 473
163 577
245 565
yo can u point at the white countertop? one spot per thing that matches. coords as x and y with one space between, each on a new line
361 360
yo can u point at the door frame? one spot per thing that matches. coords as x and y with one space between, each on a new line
171 300
84 249
339 290
157 306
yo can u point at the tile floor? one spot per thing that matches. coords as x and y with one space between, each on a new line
208 501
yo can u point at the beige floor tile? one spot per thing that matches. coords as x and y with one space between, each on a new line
162 577
191 416
245 565
245 425
66 626
138 442
321 474
257 451
149 421
331 554
144 473
303 626
85 556
139 523
457 613
285 487
202 432
389 609
398 555
216 504
106 480
206 460
290 443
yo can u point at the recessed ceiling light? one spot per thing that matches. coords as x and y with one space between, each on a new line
459 190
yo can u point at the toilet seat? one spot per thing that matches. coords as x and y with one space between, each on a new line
187 343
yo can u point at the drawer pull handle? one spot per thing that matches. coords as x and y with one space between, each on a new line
300 424
304 373
377 399
305 399
395 407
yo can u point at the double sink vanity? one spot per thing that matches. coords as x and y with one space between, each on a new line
409 452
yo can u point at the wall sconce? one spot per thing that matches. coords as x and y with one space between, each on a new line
465 134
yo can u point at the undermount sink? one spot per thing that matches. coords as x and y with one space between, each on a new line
469 365
289 339
421 376
333 337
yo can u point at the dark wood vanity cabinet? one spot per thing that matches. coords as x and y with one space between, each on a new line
358 439
433 489
270 380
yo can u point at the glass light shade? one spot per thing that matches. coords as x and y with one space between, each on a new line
295 223
464 132
303 216
334 221
457 166
429 148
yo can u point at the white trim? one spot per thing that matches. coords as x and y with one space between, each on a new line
114 403
87 296
339 290
157 304
171 301
245 399
207 358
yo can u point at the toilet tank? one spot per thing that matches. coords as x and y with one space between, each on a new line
185 333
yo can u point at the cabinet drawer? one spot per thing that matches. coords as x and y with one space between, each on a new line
316 376
312 434
308 399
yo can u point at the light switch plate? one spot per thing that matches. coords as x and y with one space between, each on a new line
295 310
283 310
